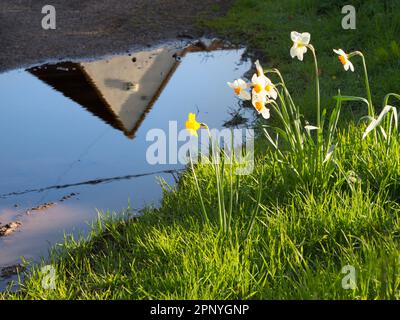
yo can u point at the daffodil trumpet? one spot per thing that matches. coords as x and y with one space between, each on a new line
193 126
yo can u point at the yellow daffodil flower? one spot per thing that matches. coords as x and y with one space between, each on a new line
344 59
239 86
192 125
259 101
300 43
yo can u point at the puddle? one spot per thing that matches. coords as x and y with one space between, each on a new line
72 137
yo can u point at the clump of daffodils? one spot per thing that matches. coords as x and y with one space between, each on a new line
260 91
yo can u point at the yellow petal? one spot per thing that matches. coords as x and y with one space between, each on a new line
192 125
192 117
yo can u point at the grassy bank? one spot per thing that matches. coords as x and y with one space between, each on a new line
288 229
300 241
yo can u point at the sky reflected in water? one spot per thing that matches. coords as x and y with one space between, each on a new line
47 139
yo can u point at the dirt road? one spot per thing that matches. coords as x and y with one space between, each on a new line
86 28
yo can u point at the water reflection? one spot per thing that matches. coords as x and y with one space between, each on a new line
120 90
53 147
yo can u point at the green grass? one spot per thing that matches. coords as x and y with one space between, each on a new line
272 234
300 241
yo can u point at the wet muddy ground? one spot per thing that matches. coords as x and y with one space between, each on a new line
96 27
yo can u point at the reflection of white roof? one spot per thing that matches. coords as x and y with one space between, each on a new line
129 85
122 89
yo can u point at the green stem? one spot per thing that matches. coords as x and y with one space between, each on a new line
317 87
219 180
318 95
203 207
371 111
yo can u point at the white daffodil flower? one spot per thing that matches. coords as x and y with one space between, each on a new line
270 89
344 59
300 43
239 86
259 101
262 84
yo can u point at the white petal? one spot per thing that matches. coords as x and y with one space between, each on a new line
300 55
259 68
295 36
305 37
273 94
245 95
346 66
265 113
241 83
293 51
340 52
231 85
351 66
254 78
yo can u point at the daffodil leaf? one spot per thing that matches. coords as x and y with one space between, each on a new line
351 98
376 122
309 128
329 154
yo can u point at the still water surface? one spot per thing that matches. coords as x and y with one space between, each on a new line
48 139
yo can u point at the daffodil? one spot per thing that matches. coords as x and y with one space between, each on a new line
192 125
259 101
262 84
300 43
344 59
260 70
239 86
